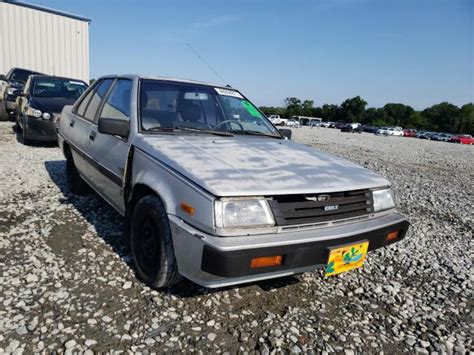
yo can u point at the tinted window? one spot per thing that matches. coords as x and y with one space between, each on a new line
58 88
96 99
82 106
118 102
20 75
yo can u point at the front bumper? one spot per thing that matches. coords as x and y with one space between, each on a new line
39 129
221 261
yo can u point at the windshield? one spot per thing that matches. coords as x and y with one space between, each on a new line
58 88
171 107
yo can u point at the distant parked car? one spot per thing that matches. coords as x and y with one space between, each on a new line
443 137
463 139
325 124
334 124
390 131
339 125
352 127
13 81
293 123
277 120
424 135
40 104
369 129
409 133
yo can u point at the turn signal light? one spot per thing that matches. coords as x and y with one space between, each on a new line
391 236
265 261
187 208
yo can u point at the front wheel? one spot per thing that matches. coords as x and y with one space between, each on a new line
152 244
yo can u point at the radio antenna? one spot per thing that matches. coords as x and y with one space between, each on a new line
205 62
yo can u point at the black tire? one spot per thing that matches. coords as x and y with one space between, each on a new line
24 137
152 244
3 111
75 183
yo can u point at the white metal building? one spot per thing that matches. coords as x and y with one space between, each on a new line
43 40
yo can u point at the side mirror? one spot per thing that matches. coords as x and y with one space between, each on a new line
114 127
286 132
3 77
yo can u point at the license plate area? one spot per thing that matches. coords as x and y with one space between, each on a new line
346 257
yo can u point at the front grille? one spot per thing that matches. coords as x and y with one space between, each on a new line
318 208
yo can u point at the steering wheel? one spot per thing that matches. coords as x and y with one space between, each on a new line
230 123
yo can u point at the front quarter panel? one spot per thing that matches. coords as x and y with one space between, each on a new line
174 190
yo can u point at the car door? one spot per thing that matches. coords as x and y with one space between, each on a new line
110 152
77 126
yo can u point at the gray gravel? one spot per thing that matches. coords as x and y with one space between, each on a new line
66 283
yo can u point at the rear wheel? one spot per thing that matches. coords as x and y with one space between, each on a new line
152 244
75 182
3 111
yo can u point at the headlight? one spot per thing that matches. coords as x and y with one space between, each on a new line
234 213
11 91
34 112
383 200
46 116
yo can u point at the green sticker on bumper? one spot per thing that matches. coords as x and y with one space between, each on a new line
251 109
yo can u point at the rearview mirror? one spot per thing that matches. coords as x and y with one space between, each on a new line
286 132
114 127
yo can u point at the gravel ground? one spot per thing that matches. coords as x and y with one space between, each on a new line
66 282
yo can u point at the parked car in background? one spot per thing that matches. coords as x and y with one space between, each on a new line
40 104
325 124
9 84
390 131
277 120
443 137
409 132
424 135
202 191
339 125
293 123
352 127
463 139
369 129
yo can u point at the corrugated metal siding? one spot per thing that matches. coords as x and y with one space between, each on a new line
44 42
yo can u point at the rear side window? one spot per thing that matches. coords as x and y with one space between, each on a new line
88 106
118 102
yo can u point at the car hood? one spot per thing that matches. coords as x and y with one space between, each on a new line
51 105
251 166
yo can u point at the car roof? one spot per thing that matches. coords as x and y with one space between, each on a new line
42 76
164 78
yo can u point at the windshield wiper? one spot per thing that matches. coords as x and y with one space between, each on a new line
255 133
191 129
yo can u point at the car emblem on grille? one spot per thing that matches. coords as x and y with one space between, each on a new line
318 198
331 207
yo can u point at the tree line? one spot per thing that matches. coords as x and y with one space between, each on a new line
442 117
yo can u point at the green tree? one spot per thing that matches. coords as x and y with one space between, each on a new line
329 112
293 106
307 107
399 114
352 110
442 117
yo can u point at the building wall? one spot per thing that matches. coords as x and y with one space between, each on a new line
44 42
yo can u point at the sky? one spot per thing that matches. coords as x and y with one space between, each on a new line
416 52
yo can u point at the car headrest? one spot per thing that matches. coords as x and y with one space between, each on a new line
190 111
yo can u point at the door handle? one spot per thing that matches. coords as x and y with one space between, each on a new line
71 123
92 135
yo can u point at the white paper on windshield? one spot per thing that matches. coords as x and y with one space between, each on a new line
227 92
